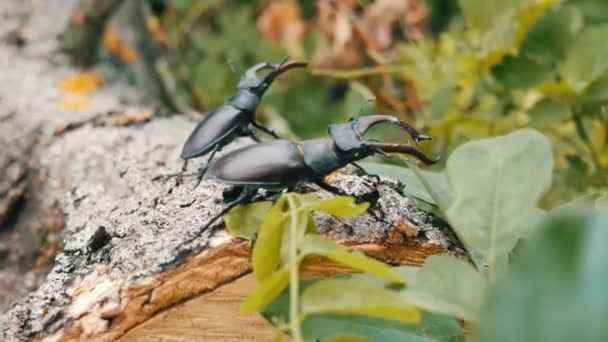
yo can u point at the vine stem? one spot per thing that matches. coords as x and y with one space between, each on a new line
294 291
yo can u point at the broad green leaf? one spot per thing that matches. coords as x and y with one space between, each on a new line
319 245
267 252
412 183
432 327
266 292
349 296
551 35
497 183
548 111
500 26
596 95
521 72
341 206
447 285
346 338
441 101
586 59
483 15
244 220
556 289
306 200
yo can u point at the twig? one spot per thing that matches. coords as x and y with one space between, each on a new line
356 73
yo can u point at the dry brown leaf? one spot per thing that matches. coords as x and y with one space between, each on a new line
116 46
282 22
337 43
378 22
83 83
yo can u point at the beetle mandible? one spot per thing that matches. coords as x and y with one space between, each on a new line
235 117
281 164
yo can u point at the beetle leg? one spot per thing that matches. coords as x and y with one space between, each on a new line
330 188
264 129
206 167
254 136
185 166
243 198
359 167
365 173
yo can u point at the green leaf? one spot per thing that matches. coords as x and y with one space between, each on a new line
521 72
244 220
549 38
548 111
441 101
432 327
446 285
413 186
498 27
556 289
497 183
266 292
596 95
345 338
319 245
349 296
341 206
587 58
266 256
483 15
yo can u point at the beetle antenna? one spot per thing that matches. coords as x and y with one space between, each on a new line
285 59
365 104
231 67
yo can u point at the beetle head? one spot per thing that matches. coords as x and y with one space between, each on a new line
351 144
258 85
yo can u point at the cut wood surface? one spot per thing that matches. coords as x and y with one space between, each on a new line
131 250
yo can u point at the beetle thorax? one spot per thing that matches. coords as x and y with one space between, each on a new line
348 144
245 99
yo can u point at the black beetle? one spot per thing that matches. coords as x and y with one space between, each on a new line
281 164
236 116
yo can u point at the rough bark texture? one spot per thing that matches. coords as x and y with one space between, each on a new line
130 247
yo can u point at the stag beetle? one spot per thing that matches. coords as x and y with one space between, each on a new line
236 116
281 164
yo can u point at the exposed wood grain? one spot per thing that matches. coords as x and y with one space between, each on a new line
213 317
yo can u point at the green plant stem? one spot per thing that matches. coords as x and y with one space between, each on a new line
294 292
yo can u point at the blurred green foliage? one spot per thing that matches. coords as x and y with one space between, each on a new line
486 68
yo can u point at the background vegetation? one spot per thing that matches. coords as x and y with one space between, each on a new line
514 94
460 70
